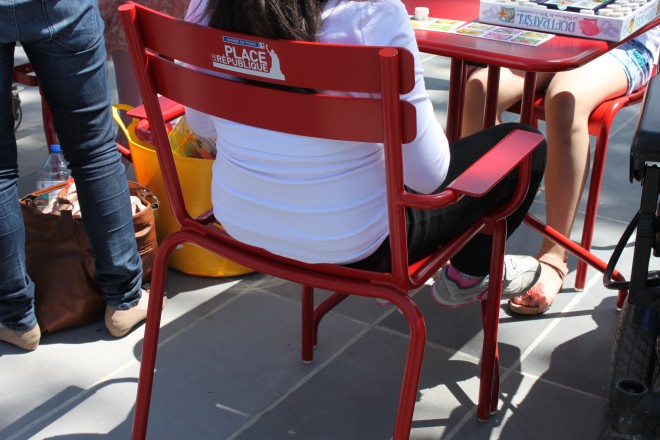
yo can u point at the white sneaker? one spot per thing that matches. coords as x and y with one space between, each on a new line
521 272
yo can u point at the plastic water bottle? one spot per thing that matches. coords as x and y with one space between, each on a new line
53 171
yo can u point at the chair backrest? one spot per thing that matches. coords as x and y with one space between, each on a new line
181 61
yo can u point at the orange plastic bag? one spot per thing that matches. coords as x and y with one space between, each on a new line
195 178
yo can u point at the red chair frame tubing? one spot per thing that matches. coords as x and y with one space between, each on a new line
155 40
600 123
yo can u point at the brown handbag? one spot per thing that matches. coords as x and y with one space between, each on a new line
60 260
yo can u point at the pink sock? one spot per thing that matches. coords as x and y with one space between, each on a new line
463 280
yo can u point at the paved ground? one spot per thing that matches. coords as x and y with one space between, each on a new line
229 364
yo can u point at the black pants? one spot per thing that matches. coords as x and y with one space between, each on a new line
428 229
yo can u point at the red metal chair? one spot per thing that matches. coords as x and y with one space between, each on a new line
155 40
600 123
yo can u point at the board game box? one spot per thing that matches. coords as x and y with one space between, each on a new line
569 17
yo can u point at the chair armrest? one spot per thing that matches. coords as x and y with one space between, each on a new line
170 109
646 143
484 174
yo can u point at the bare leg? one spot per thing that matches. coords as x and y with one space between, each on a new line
570 98
510 92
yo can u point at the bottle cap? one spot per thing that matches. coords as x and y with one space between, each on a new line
55 148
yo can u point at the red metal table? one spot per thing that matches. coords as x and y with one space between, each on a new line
558 54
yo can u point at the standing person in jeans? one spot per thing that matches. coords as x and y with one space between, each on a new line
63 41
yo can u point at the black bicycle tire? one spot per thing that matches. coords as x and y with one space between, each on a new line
633 351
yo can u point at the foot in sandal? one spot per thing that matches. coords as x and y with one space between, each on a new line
540 297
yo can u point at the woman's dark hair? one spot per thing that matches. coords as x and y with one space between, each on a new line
277 19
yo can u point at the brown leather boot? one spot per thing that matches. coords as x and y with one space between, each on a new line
120 322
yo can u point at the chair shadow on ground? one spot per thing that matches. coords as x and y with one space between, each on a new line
244 346
62 403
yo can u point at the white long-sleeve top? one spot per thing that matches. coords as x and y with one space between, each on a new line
316 200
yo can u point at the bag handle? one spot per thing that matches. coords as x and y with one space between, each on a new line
32 196
116 108
144 194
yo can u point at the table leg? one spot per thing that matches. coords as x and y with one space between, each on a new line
529 92
492 91
454 105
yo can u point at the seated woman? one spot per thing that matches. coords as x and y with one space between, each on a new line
324 201
570 98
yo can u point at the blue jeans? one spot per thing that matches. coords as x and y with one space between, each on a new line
63 40
636 61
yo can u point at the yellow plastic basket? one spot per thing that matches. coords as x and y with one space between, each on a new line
195 179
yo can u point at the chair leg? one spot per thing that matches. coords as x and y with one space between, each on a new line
151 331
592 205
489 379
307 324
495 387
413 366
330 303
414 356
495 394
621 298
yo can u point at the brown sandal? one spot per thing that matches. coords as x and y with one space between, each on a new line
537 292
